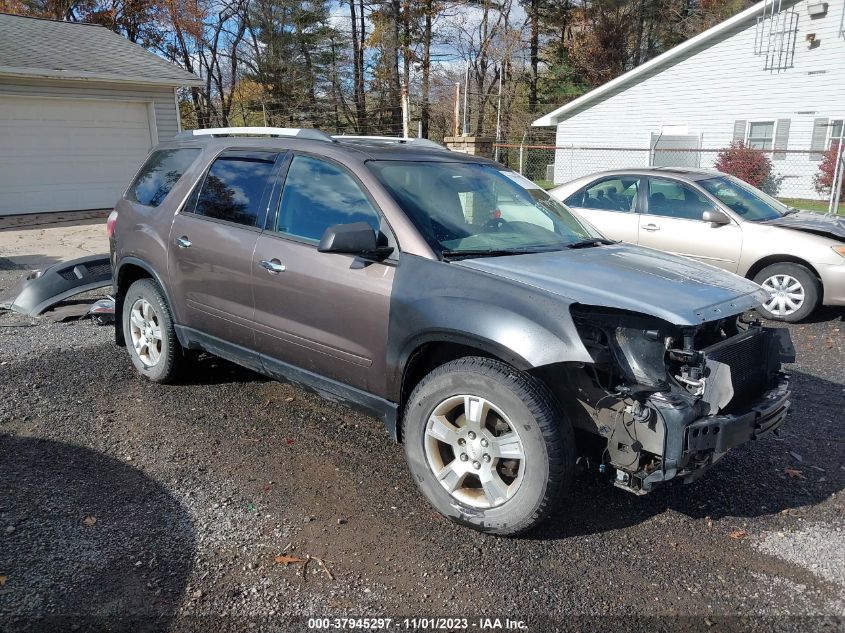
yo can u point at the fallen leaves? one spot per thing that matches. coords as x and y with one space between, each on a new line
3 580
287 559
794 473
738 534
89 521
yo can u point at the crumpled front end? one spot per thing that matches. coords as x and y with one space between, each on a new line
671 400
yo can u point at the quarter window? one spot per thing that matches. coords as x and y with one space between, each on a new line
761 135
234 188
159 174
673 199
319 194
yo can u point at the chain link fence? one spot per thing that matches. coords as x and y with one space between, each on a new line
794 179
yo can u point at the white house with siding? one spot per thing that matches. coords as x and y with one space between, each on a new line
80 108
772 76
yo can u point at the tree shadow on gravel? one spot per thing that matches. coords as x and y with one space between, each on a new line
750 481
88 542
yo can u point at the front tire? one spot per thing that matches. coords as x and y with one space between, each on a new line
149 333
794 292
487 445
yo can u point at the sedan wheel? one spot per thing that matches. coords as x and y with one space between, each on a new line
786 295
794 291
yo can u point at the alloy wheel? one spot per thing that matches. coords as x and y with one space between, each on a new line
786 295
145 328
474 451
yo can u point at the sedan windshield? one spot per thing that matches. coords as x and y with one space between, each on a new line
477 210
749 203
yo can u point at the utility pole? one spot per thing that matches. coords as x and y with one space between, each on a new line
838 170
466 93
406 115
457 109
499 114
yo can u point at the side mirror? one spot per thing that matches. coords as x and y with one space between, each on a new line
357 238
715 216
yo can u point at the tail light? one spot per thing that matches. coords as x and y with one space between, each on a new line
110 223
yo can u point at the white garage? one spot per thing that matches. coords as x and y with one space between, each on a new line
71 138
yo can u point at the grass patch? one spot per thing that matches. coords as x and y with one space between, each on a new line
819 206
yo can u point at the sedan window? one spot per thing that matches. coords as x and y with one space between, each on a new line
610 194
674 199
743 199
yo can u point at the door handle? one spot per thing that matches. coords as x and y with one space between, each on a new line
273 266
651 227
183 242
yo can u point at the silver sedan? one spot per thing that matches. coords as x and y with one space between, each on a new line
797 256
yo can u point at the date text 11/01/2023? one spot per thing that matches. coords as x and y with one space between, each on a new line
418 624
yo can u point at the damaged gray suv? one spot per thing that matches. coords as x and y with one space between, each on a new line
499 337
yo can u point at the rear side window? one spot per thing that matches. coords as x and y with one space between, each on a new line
610 194
234 188
159 174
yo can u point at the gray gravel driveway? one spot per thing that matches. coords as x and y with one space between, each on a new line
126 505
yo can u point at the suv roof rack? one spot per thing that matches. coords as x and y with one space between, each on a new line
307 133
399 140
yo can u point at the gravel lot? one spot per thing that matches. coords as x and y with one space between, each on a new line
132 506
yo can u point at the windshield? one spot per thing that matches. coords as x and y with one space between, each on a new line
477 209
748 202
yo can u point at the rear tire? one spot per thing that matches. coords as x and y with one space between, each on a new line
149 333
794 292
487 445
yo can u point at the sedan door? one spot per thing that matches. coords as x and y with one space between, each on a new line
610 205
212 241
672 221
326 313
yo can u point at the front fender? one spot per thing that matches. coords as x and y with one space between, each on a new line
436 301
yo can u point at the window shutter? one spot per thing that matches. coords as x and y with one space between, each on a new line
739 131
781 138
817 144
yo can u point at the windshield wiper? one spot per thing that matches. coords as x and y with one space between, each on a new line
488 252
597 241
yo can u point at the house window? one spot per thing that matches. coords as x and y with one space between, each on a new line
834 133
761 135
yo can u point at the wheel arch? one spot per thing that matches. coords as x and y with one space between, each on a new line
763 262
427 353
128 271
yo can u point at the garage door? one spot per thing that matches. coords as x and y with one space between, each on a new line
68 154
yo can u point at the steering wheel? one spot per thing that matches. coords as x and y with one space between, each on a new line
496 221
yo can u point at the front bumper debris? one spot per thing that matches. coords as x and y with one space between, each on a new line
720 433
39 290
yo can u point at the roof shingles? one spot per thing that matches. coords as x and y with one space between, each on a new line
31 47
